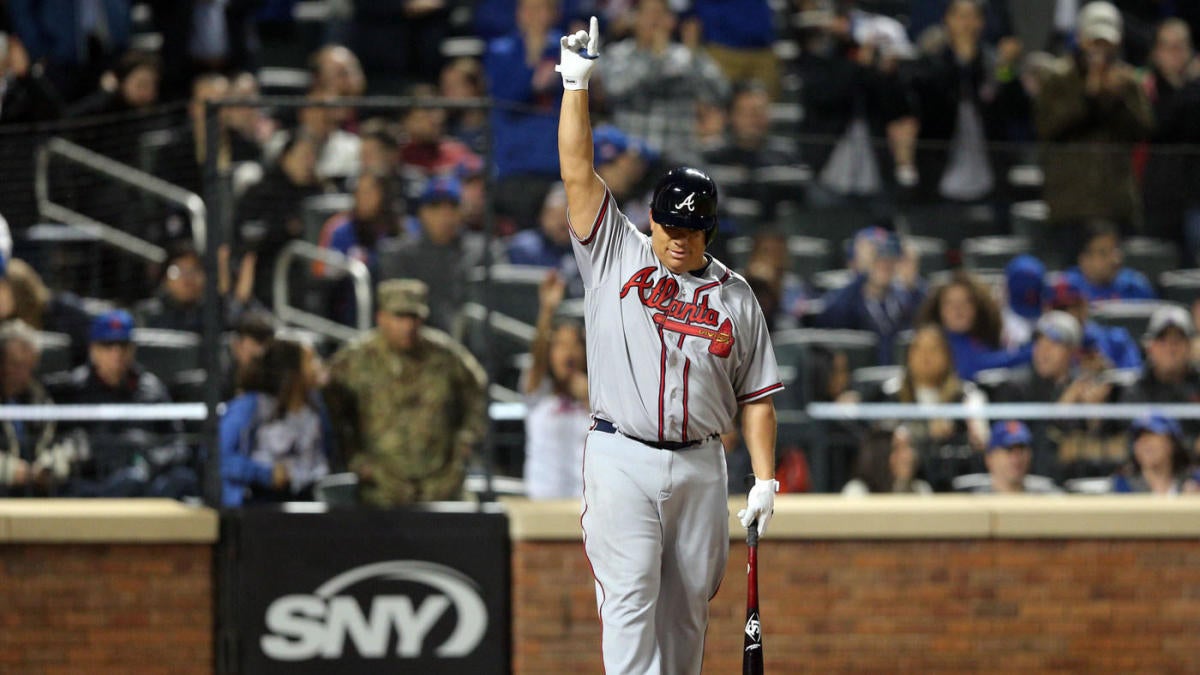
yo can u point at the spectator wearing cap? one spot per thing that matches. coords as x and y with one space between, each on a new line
1008 458
655 84
409 403
757 171
1089 112
129 458
251 333
1103 346
178 304
1099 274
438 253
624 163
1169 375
1055 376
879 299
966 311
549 244
1025 286
1158 459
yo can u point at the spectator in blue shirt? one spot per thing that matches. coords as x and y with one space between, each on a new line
1158 459
549 244
965 310
1103 346
1024 278
527 91
738 35
276 439
879 299
1099 274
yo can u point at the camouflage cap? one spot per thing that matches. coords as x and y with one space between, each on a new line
404 296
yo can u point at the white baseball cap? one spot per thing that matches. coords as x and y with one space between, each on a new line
1100 20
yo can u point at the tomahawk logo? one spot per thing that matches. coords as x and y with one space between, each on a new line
690 202
312 626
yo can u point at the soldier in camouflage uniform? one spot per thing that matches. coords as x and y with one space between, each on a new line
408 403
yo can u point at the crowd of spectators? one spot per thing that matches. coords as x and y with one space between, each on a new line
803 111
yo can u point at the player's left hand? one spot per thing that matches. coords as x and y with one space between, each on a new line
579 54
760 504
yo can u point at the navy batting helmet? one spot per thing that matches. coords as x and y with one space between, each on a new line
686 197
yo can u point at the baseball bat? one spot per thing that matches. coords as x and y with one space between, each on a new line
752 651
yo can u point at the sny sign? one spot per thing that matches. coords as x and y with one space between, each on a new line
317 625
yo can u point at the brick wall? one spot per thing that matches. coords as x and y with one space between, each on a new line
905 606
106 608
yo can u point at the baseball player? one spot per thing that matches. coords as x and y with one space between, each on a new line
678 344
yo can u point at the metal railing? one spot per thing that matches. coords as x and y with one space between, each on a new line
359 276
134 178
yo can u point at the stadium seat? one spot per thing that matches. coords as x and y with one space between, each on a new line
1132 315
1150 256
1181 286
314 211
506 339
1028 218
513 289
993 252
832 224
866 379
832 279
952 223
791 346
56 352
931 253
166 353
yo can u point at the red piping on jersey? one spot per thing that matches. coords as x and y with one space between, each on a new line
760 393
687 365
595 223
662 381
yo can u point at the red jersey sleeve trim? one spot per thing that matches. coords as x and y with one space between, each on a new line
761 393
596 223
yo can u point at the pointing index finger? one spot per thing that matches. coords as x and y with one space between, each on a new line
594 32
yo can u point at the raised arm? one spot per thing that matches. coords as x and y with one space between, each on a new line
585 190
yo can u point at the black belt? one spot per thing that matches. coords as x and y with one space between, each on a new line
607 427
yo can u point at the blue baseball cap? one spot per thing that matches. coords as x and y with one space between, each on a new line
1155 423
442 189
112 326
1007 434
1025 278
887 242
609 142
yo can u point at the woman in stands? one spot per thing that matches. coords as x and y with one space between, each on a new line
887 463
276 440
964 308
1158 459
947 447
556 393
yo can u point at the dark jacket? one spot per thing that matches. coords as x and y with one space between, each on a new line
848 307
276 202
835 90
1150 389
1171 182
29 100
1088 145
940 83
50 28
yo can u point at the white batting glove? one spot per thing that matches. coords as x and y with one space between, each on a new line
579 54
760 504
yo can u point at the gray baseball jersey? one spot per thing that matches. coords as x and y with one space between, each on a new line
671 355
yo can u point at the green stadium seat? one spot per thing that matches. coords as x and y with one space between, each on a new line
993 252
